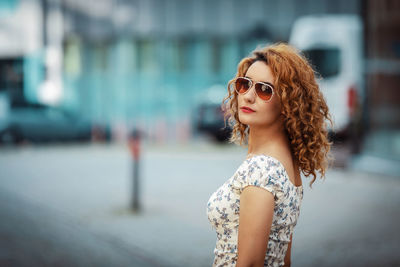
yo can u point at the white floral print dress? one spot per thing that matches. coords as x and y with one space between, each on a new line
224 205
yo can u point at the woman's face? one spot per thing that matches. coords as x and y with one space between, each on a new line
265 113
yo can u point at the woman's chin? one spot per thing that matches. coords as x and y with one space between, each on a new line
251 123
245 122
244 118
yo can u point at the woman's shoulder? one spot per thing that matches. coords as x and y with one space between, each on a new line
265 160
265 164
271 164
260 170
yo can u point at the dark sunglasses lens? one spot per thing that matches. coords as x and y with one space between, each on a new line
263 91
242 85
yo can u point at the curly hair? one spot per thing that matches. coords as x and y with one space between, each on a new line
304 108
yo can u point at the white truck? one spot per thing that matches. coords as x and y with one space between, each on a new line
334 45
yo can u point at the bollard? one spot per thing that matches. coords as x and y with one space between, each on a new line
134 147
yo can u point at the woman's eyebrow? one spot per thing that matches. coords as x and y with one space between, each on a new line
261 81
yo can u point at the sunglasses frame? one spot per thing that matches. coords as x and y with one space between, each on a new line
251 85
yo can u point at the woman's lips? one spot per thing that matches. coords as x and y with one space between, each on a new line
246 110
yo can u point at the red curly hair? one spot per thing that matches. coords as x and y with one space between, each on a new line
303 106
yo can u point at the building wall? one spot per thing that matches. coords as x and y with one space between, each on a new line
153 67
382 25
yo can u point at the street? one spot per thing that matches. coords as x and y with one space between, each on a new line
69 205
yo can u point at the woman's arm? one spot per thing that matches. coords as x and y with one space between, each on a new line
255 220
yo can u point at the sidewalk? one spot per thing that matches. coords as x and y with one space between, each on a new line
33 235
350 215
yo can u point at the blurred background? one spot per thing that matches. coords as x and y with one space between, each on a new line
112 138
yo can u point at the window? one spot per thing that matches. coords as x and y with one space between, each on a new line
11 74
146 55
325 60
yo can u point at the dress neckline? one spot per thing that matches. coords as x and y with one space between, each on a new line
280 163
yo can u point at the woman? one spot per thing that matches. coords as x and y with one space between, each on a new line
276 108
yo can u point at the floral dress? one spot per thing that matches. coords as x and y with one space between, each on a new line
224 204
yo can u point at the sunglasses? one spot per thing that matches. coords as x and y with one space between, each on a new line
263 90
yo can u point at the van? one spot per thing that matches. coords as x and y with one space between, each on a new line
334 46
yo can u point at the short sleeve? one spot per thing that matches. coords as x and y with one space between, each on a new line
261 171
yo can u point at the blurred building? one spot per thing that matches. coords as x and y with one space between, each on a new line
146 63
382 74
21 33
143 63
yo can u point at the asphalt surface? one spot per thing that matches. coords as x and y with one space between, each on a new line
69 206
33 235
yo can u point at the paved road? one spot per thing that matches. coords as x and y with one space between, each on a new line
81 195
32 235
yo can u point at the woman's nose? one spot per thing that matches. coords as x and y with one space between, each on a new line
250 95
